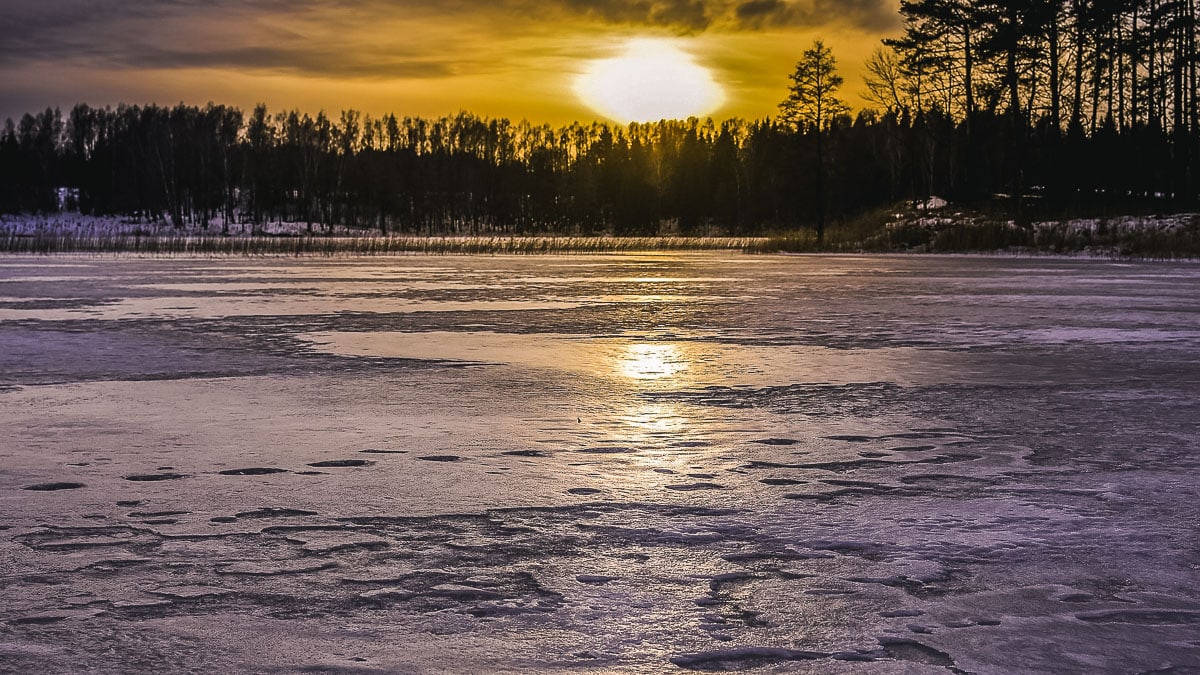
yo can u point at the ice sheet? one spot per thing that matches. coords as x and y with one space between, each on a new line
617 463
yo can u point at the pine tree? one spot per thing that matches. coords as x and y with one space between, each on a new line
812 104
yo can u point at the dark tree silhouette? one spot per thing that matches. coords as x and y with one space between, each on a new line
811 106
1027 108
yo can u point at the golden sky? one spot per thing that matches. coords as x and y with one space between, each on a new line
496 58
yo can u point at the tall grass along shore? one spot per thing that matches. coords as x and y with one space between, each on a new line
909 230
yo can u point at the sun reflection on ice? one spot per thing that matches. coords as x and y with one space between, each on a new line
654 419
652 366
642 361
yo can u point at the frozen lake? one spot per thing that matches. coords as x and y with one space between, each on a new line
610 463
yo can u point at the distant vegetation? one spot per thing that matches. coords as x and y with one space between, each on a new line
56 238
930 227
1026 111
947 229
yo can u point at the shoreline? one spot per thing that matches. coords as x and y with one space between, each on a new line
1169 237
320 245
379 247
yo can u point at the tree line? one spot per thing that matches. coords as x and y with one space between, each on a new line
1025 106
1080 100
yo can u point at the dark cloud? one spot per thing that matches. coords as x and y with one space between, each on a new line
173 34
870 15
754 10
302 60
683 15
700 15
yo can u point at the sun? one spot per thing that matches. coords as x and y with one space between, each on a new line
652 80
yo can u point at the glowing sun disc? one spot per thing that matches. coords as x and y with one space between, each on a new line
652 80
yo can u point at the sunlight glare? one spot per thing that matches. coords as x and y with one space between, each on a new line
650 419
652 362
652 80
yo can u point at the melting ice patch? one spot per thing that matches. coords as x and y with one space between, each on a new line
657 361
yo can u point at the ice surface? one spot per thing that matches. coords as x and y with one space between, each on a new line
630 463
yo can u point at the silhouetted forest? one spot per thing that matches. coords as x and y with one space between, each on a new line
1029 107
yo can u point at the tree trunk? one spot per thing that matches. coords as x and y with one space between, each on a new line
1177 70
1010 63
1077 103
1097 74
968 77
1114 54
1134 63
1194 131
1055 93
820 186
1192 18
1120 78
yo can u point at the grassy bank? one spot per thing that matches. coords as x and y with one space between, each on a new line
944 229
57 242
950 231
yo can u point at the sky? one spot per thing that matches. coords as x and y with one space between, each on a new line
497 58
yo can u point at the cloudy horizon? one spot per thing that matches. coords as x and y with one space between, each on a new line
506 58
